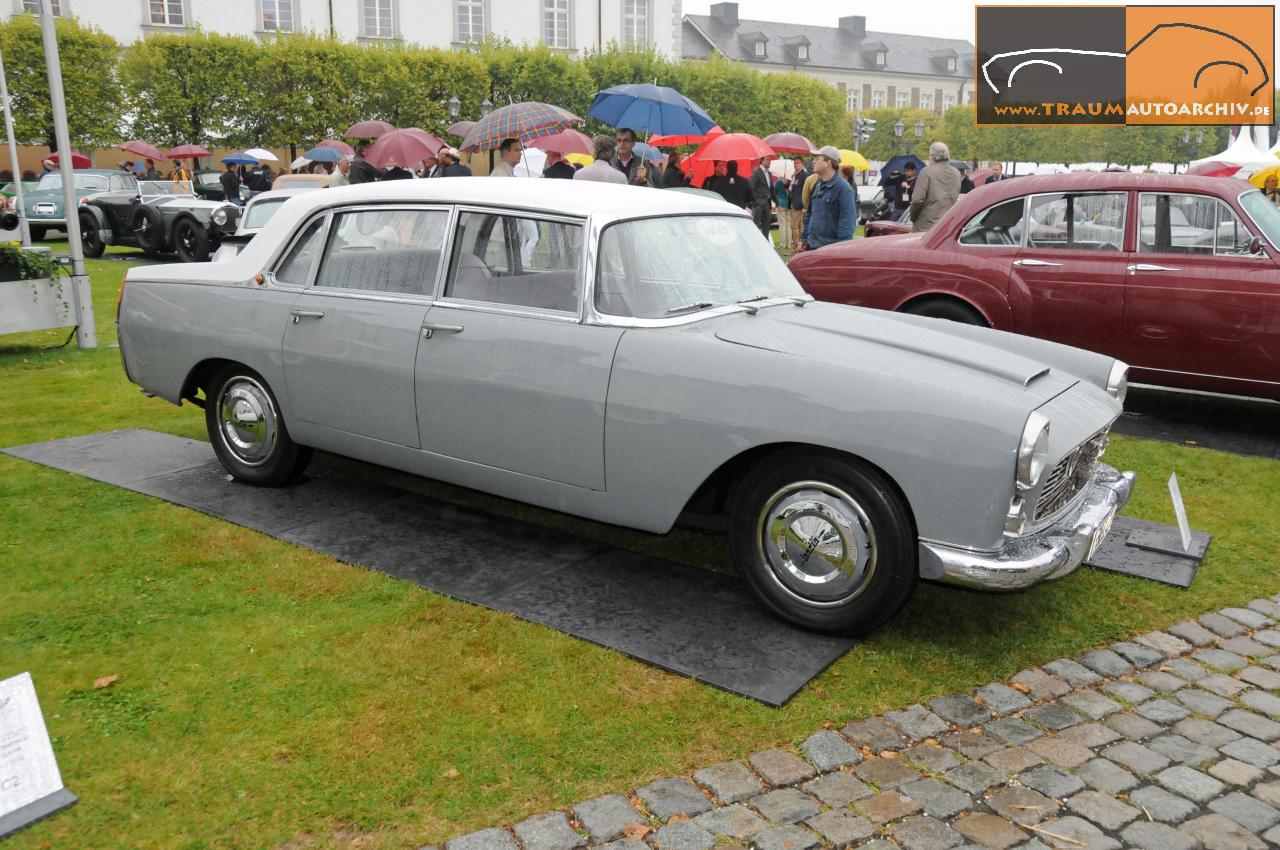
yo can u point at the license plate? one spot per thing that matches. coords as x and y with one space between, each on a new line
1099 536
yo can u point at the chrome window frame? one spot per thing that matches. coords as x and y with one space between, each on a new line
443 300
984 211
1259 229
1026 213
1246 220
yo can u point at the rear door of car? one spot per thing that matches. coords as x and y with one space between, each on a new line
350 344
1201 311
1071 269
507 374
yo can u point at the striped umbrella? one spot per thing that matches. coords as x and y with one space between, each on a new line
523 121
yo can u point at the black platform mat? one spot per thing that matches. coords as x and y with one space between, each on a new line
1131 549
1228 424
688 621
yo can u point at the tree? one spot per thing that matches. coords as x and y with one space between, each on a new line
792 102
189 89
89 82
729 91
535 73
306 88
616 66
411 87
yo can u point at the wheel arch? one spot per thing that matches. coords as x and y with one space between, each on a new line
201 374
105 231
951 297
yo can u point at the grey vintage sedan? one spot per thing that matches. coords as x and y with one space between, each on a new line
643 358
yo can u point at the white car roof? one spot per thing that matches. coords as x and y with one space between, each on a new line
582 198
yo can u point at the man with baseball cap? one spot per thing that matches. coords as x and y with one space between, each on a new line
832 211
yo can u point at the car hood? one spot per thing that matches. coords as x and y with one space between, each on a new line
933 350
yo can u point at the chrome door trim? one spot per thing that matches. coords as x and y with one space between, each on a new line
1031 261
1151 267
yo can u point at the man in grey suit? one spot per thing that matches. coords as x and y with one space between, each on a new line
761 186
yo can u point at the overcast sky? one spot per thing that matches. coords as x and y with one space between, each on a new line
942 18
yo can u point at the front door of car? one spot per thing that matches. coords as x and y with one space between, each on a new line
1201 310
1071 269
353 333
507 375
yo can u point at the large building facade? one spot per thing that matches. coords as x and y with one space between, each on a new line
569 25
873 69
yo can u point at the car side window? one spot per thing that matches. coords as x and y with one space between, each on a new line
516 261
998 225
296 268
384 250
1190 224
1093 221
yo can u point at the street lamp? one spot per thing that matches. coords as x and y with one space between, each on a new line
899 128
919 128
454 106
486 106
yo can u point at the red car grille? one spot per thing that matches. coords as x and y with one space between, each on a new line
1070 475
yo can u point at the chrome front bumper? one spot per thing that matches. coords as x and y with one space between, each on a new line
1048 554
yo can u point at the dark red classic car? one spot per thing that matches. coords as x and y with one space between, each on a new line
1179 276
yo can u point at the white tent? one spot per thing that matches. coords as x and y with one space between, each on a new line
1244 153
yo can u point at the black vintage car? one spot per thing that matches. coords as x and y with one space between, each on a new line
158 220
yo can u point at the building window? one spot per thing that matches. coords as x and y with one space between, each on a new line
951 63
968 97
926 100
851 99
555 23
882 57
379 19
759 48
877 98
34 7
948 100
803 51
167 13
277 15
903 99
470 20
635 24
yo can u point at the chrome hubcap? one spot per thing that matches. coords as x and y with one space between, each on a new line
818 543
247 421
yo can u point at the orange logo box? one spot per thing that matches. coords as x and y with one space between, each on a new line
1200 64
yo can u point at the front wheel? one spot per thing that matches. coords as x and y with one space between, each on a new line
946 308
191 241
824 542
247 431
90 239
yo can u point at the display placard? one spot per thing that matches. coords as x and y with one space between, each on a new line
1180 511
30 783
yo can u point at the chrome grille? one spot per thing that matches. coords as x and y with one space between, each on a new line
1070 475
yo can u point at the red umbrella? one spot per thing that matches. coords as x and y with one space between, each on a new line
460 128
368 130
188 152
339 146
78 160
1213 168
789 143
566 141
430 139
673 141
743 148
143 150
401 147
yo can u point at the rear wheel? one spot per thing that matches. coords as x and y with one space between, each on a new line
148 229
823 541
191 241
90 240
946 308
247 431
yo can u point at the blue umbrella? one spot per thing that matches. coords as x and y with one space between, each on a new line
323 155
650 109
647 152
898 163
239 159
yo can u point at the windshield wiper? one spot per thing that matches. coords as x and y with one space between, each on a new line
794 299
697 305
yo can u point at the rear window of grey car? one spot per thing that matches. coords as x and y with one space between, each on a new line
260 212
393 251
516 261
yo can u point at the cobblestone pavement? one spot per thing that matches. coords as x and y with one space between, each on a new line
1169 741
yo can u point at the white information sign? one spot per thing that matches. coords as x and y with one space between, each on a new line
28 769
1180 511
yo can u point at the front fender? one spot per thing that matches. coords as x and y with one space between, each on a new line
100 223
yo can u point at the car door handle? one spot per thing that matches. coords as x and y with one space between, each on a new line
1033 262
305 314
430 330
1150 267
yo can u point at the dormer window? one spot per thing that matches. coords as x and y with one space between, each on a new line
759 48
951 64
803 51
882 57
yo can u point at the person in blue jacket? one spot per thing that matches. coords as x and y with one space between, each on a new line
833 208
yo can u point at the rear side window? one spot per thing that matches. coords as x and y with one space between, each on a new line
998 225
296 268
1092 221
516 261
386 250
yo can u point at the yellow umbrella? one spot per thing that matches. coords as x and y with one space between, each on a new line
1259 178
857 160
585 159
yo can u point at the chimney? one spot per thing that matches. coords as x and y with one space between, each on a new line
856 25
726 13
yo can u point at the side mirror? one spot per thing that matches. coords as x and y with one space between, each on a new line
1255 245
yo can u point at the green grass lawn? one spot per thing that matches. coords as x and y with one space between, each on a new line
271 696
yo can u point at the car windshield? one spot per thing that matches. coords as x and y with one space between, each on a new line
1264 214
161 187
657 267
93 182
260 212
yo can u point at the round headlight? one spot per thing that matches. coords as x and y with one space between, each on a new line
1118 380
1033 450
220 216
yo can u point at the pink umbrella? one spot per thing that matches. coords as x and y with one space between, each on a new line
78 160
339 146
1213 168
188 152
401 147
430 139
143 150
566 141
368 130
460 128
789 143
